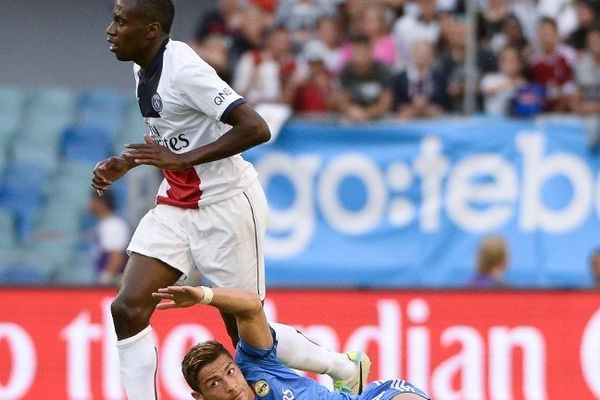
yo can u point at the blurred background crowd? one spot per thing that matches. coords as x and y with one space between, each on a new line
351 61
408 58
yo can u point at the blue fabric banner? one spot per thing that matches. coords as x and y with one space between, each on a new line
405 204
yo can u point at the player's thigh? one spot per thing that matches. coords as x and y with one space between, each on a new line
229 248
161 234
144 275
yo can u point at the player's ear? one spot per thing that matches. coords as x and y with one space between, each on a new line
197 396
153 30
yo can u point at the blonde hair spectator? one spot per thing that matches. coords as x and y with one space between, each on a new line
492 261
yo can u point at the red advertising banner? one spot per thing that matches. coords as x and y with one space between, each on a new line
59 344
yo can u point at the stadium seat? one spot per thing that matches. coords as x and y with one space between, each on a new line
87 144
79 271
11 101
3 163
20 274
102 109
43 154
132 129
22 192
8 233
47 112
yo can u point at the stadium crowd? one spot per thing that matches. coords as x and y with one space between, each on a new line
406 58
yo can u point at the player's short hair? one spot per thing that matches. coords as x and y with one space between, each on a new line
161 11
197 358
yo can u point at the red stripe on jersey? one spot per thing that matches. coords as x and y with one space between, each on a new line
184 189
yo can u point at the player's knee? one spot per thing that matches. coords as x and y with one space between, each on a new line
124 311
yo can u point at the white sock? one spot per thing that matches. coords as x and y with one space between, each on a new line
298 352
138 358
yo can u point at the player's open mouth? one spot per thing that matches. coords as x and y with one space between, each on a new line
113 46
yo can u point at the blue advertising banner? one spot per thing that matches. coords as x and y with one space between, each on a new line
405 204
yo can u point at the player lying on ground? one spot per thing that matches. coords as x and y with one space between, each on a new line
213 374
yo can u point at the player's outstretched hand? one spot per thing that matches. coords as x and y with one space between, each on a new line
179 296
152 153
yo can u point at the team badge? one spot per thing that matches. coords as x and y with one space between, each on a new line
157 103
261 388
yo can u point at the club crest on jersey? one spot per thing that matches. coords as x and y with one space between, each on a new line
261 388
157 103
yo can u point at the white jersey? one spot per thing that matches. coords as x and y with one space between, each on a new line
182 100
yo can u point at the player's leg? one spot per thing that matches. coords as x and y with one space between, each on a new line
156 246
316 358
240 264
227 246
131 311
134 304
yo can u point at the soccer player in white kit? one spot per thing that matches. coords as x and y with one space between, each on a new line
211 211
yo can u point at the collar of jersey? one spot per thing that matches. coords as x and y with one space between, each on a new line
156 60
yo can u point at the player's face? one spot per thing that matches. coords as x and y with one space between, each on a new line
223 380
127 33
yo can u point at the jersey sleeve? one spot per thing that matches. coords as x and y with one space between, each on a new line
246 352
202 89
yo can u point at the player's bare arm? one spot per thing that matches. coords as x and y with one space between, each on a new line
245 306
248 130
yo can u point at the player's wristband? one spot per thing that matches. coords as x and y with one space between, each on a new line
208 295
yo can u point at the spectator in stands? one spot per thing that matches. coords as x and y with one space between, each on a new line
328 42
269 6
225 19
313 91
587 76
373 24
549 67
586 100
112 237
595 268
419 90
511 34
587 18
395 8
452 62
492 261
213 49
560 11
410 29
300 17
500 88
255 22
262 76
492 19
365 92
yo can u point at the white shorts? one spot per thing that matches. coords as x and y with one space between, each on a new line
223 240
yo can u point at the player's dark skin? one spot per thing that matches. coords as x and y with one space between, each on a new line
134 38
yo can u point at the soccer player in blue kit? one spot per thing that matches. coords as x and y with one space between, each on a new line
213 374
